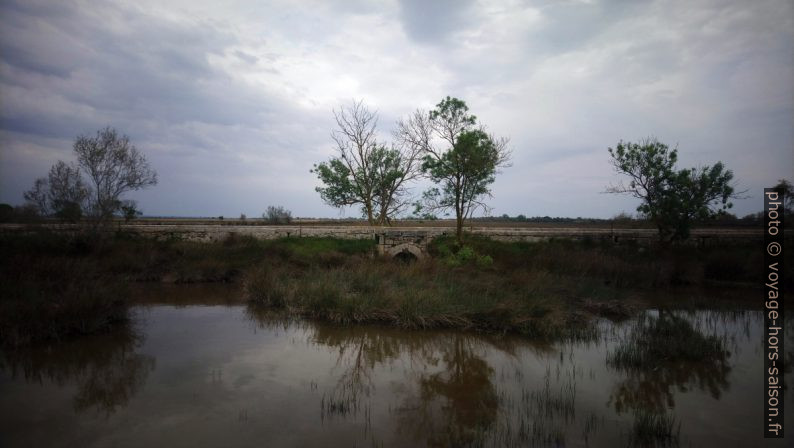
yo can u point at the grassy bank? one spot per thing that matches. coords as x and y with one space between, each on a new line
625 265
420 295
537 289
55 285
52 290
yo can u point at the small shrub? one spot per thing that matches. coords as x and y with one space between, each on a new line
465 256
129 210
277 215
452 261
484 261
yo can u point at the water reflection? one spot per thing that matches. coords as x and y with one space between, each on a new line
450 393
231 375
456 405
458 389
451 396
358 352
663 354
106 369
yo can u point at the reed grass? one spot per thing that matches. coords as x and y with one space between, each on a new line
655 429
669 338
63 284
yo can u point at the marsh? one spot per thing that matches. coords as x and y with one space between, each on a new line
198 366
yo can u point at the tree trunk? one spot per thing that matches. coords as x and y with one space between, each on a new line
370 219
458 213
459 229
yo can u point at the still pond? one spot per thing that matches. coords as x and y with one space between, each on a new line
196 368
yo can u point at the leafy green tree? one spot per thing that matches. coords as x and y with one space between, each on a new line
672 199
365 172
463 166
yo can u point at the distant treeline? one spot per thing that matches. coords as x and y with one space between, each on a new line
721 220
22 214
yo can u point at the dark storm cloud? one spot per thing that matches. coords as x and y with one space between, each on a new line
150 69
69 69
570 24
434 22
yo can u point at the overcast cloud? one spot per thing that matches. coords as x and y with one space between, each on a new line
231 101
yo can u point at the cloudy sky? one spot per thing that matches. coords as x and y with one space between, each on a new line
231 101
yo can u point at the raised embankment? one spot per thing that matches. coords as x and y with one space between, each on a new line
413 240
218 232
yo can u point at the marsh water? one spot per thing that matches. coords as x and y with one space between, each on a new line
197 369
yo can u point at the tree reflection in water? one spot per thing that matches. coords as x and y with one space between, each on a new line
451 397
106 368
659 356
662 354
358 352
438 388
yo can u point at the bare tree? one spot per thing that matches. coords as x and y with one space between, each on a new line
394 169
36 197
114 166
364 171
62 193
68 194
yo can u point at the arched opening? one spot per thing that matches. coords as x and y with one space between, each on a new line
405 257
406 250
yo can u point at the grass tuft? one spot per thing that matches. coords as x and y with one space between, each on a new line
665 339
655 429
